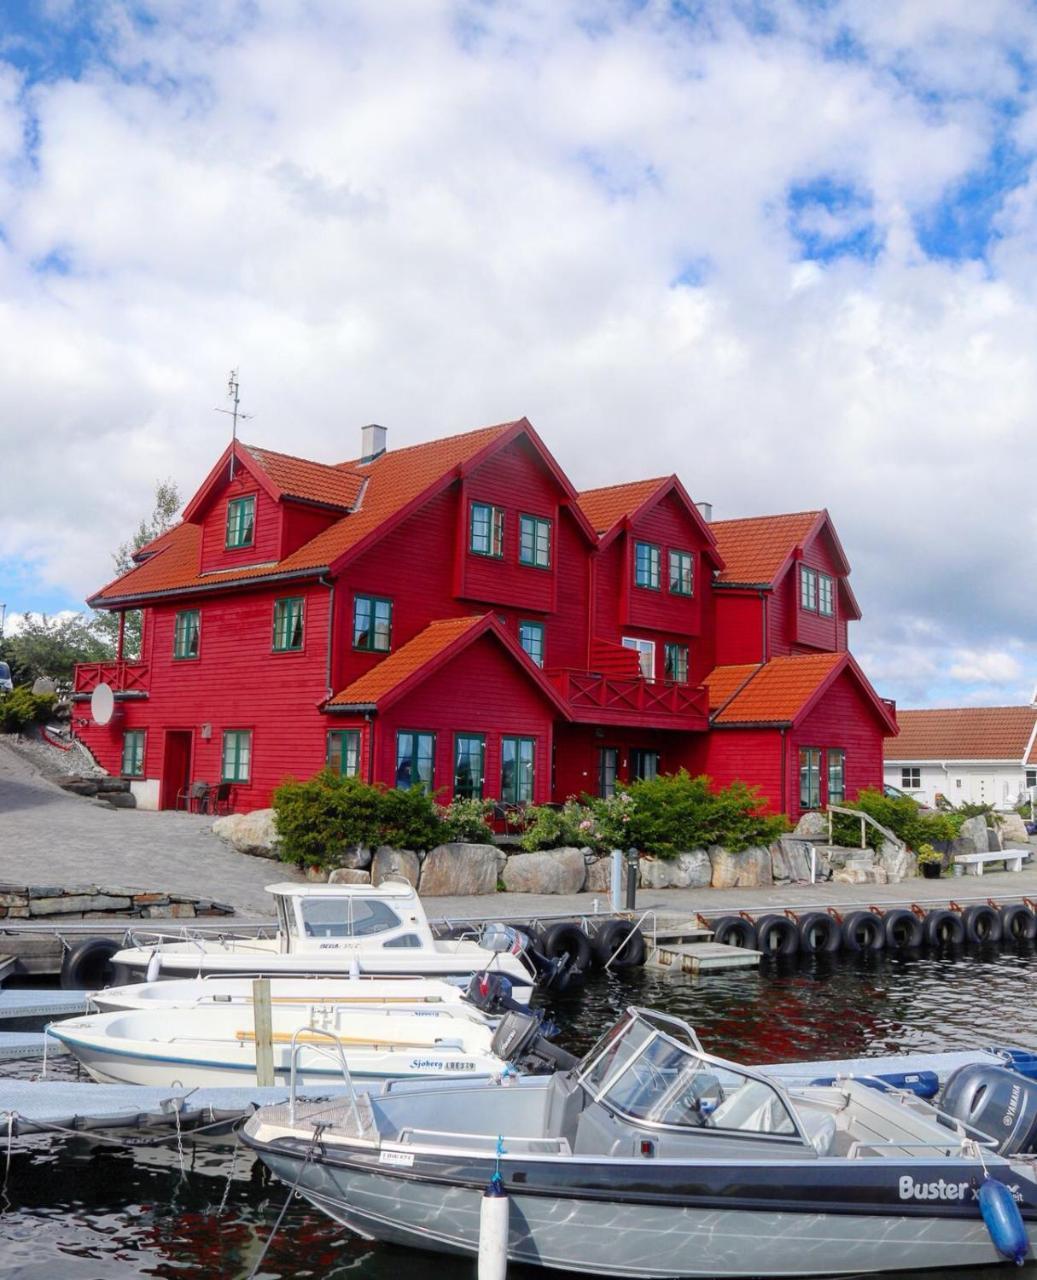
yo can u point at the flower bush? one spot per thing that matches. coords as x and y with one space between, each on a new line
467 821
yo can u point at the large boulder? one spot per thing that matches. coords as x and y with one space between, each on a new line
253 833
975 830
459 870
395 864
790 860
812 826
744 870
599 876
993 841
349 875
691 870
354 857
554 871
1013 830
897 861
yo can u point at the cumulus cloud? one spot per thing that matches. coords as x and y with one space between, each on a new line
788 255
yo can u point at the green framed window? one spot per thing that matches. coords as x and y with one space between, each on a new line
344 752
647 559
825 595
241 522
531 638
675 659
682 573
644 764
535 541
133 753
415 760
469 761
810 778
808 588
288 624
836 775
187 634
517 770
372 623
237 755
486 530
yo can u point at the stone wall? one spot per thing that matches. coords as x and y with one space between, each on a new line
91 901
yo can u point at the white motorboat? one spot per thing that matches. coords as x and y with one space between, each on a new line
336 930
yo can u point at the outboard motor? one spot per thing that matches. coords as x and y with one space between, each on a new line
520 1041
491 992
995 1101
502 937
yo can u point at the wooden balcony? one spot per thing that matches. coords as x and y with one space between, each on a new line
122 677
594 698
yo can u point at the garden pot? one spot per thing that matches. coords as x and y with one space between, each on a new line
931 870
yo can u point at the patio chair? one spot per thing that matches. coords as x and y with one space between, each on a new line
220 798
194 798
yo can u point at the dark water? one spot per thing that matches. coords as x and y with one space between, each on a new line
82 1209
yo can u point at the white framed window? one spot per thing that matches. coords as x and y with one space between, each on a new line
825 595
911 778
1031 778
808 588
645 650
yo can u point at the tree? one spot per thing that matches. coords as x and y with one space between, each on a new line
163 517
52 647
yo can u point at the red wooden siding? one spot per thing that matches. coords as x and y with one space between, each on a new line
746 755
301 523
266 546
843 719
577 758
669 527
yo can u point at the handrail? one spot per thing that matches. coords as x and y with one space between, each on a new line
864 818
294 1061
655 935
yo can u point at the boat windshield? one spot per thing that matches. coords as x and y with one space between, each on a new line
642 1071
346 917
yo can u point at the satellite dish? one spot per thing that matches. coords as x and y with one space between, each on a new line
102 703
43 685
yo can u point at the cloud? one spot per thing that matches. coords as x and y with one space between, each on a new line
791 258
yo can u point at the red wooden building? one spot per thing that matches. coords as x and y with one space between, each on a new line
456 614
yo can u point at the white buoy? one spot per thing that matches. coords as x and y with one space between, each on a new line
154 968
493 1231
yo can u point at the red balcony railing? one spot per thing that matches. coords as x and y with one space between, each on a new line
622 700
123 677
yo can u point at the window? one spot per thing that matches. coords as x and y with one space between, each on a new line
323 917
1031 778
469 755
682 573
133 753
186 634
643 764
836 776
825 595
415 753
911 778
645 652
647 558
372 623
486 531
535 541
237 755
241 522
344 752
531 638
808 588
810 778
288 624
608 768
517 770
675 662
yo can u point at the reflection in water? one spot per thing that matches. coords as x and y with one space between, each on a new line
83 1209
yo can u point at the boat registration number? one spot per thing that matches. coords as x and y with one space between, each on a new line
403 1158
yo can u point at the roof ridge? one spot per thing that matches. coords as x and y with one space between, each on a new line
624 484
777 515
499 427
291 457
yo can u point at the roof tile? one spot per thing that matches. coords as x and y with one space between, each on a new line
604 507
755 549
332 486
776 694
398 667
965 733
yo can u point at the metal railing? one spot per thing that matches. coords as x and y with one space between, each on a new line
297 1048
866 820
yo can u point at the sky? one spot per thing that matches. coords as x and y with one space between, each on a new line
784 248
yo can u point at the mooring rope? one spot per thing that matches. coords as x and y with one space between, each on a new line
317 1130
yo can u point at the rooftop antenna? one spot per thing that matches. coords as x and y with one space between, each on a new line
235 413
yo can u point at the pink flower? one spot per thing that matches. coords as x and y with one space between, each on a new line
586 824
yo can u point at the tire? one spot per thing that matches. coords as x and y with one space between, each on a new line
612 935
982 923
862 931
569 939
777 936
819 933
944 928
88 965
903 930
1018 923
734 931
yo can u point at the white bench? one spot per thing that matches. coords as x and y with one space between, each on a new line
971 864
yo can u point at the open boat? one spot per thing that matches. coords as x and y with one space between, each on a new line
652 1158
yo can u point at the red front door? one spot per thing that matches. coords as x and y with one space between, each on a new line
176 767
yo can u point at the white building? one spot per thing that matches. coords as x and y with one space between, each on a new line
981 755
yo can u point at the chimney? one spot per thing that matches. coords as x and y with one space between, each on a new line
372 442
705 511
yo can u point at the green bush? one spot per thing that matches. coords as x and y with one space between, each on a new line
319 819
466 821
22 708
901 815
410 819
676 812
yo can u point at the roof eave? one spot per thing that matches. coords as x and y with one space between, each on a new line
97 602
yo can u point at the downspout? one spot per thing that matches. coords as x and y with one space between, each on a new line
324 582
369 721
784 773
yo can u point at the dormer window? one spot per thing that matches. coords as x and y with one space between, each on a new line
535 542
682 573
372 623
825 595
808 588
647 559
241 522
486 530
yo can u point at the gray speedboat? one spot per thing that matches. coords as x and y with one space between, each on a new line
653 1158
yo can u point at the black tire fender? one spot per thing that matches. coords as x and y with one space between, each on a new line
734 931
944 928
566 938
777 936
904 931
863 931
819 933
88 965
982 923
1018 923
611 936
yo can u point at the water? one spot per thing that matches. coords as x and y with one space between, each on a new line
83 1209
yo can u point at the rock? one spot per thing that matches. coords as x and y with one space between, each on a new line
121 800
858 874
457 870
790 860
599 876
897 862
812 826
553 871
316 875
349 875
975 830
70 903
253 833
1013 829
355 858
390 864
691 870
742 870
79 786
993 841
110 786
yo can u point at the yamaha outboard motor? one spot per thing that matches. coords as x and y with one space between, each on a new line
995 1101
520 1041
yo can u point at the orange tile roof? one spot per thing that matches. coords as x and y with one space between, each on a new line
965 733
755 549
398 667
331 486
722 682
777 693
604 507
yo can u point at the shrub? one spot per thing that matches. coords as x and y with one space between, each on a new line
466 820
676 812
320 818
410 819
22 707
901 815
549 827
